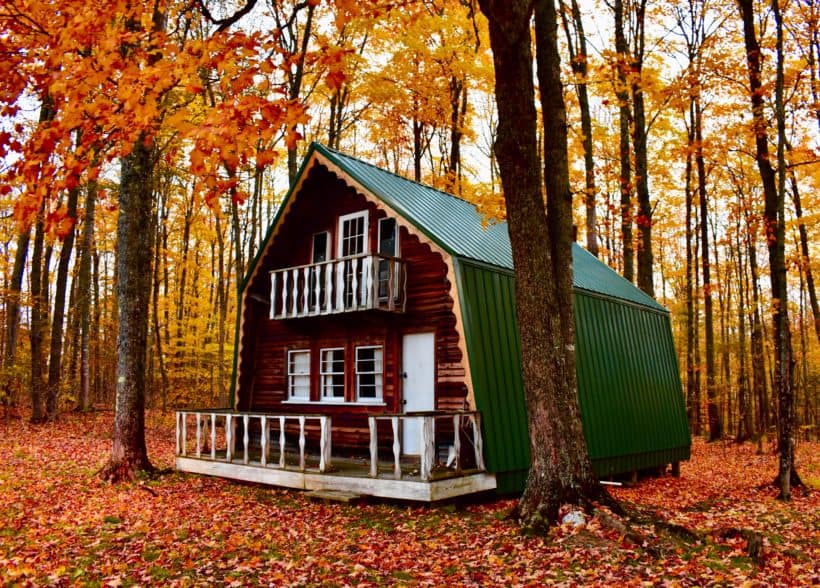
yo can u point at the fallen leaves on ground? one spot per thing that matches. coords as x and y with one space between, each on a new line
61 525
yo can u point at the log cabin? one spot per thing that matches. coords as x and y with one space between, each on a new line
377 351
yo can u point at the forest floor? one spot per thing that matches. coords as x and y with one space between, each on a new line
61 525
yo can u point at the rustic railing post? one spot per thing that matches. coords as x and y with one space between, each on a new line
213 435
272 314
281 442
457 441
340 286
184 437
245 421
294 274
263 441
427 447
317 289
394 422
177 433
228 437
302 443
478 443
198 435
324 443
305 310
374 446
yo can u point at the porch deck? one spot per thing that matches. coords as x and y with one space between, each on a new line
294 451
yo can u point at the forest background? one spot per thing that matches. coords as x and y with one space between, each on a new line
663 149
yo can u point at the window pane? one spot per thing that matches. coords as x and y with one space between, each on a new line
369 373
387 236
332 373
299 374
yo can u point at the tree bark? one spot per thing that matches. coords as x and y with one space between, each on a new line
625 153
13 317
38 321
560 471
134 252
55 353
84 297
774 218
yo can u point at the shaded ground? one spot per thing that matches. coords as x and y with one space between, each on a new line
60 525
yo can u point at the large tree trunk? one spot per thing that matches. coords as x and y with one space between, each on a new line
38 321
134 252
55 353
625 153
560 471
774 218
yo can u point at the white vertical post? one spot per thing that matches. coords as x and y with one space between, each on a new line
394 421
324 443
340 285
184 433
294 274
457 440
263 441
427 447
317 290
177 434
228 437
329 286
284 312
281 442
306 291
198 435
245 438
213 435
478 442
367 282
302 443
272 295
374 446
354 287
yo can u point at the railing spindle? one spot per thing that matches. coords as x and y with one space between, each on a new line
305 291
394 421
317 281
245 439
281 442
294 275
272 314
263 441
301 443
374 446
198 435
213 435
228 437
427 447
457 440
184 433
478 442
177 433
324 444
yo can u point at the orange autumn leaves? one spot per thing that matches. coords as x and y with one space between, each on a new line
107 75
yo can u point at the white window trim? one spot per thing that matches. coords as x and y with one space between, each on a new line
397 252
313 243
379 398
340 233
291 396
323 373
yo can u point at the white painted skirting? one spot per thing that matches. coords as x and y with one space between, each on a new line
381 487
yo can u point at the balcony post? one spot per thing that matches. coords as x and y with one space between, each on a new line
340 286
427 447
184 433
457 441
294 275
305 310
302 443
478 442
396 448
329 287
198 435
281 442
228 437
177 433
317 281
272 314
324 444
245 439
374 447
213 435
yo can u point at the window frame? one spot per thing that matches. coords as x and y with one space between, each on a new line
364 214
291 375
313 247
378 376
323 397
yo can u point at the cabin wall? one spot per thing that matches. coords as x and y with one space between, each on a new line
263 386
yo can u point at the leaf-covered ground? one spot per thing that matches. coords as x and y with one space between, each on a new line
61 525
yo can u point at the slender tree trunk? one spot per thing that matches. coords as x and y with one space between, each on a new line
578 60
692 389
804 255
774 217
55 354
155 314
13 317
625 152
134 253
84 296
38 321
713 411
745 429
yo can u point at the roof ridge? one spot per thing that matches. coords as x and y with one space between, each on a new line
394 174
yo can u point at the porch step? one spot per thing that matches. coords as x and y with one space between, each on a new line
333 495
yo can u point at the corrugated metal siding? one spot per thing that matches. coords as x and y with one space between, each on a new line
487 301
628 382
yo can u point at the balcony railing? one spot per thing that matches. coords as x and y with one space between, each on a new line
362 282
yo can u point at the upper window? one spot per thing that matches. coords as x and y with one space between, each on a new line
321 247
369 373
299 374
332 374
388 243
353 234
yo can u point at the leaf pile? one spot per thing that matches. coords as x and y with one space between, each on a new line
61 525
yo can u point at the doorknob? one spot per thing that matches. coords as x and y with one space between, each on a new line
404 375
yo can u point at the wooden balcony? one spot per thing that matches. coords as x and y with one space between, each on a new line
295 451
362 282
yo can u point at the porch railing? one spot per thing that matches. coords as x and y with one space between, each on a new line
200 432
361 282
469 420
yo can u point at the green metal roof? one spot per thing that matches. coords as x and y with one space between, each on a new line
458 227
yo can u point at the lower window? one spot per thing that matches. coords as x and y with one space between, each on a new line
369 373
299 374
332 374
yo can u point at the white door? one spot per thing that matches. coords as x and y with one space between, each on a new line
418 369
